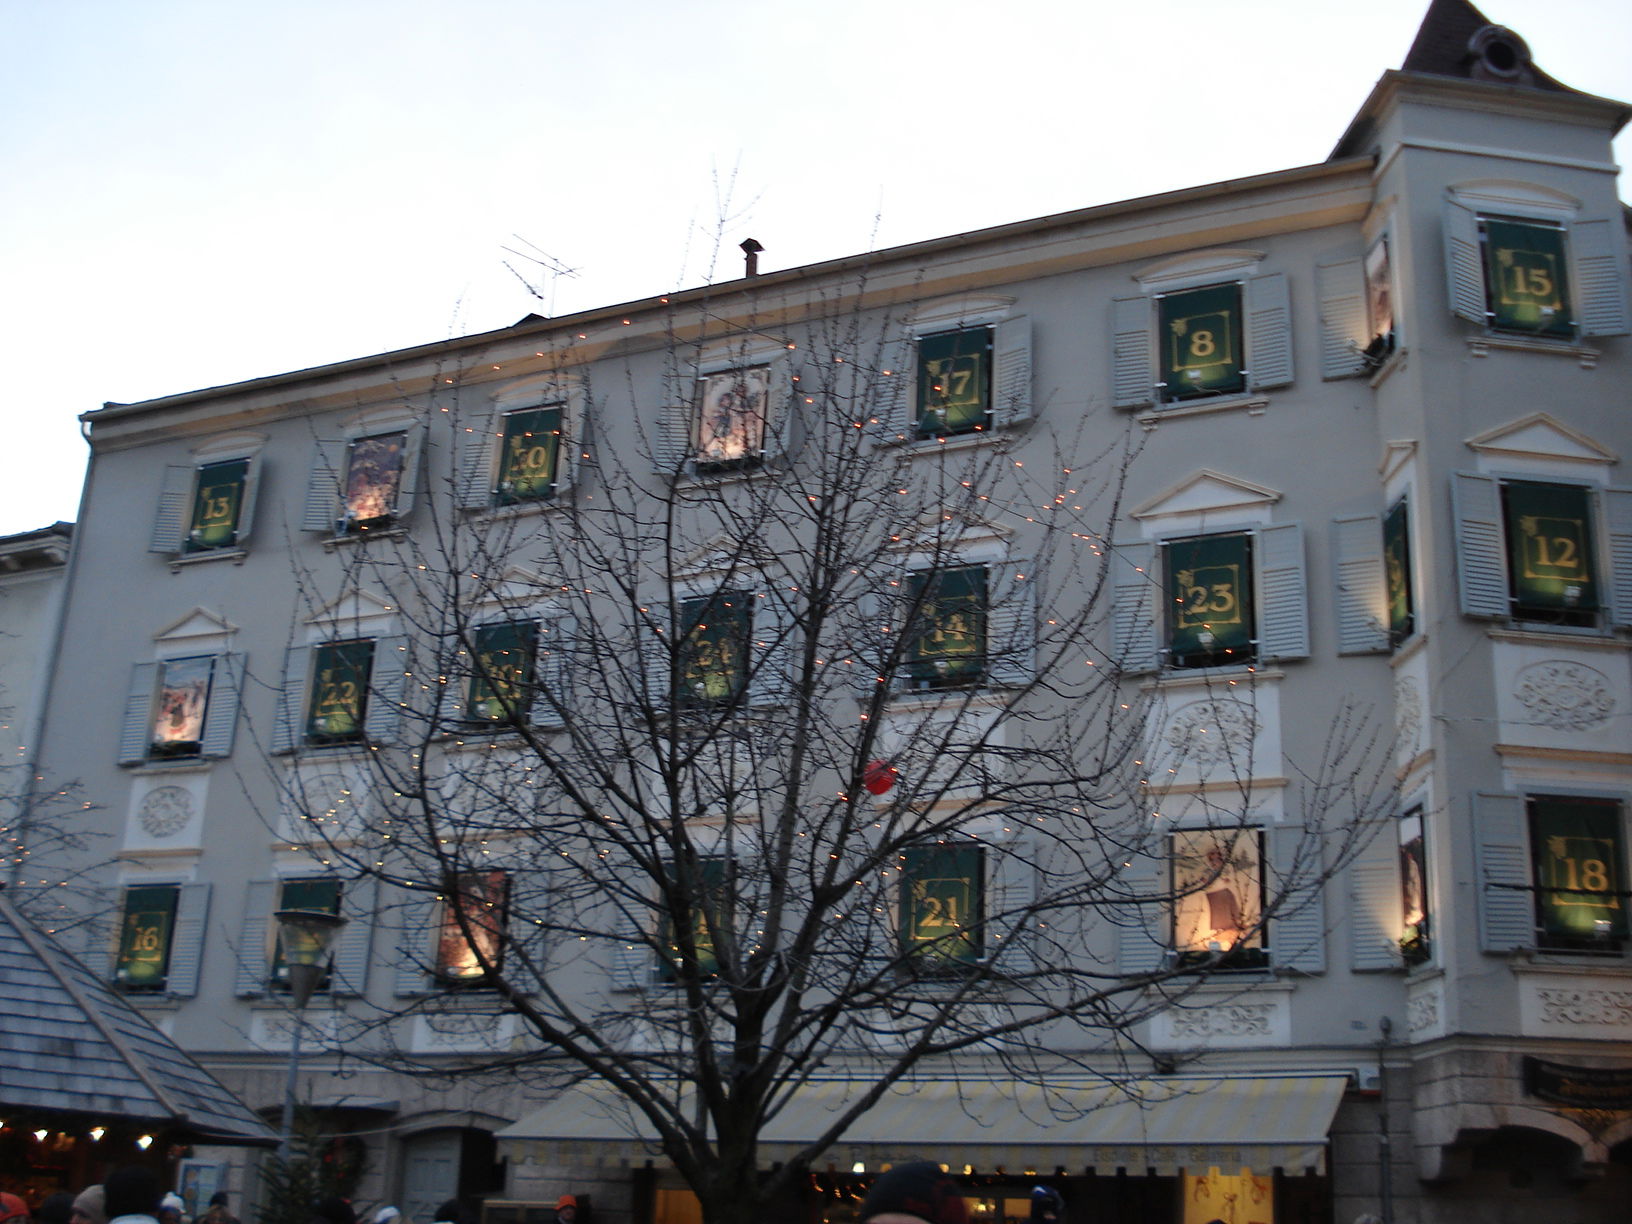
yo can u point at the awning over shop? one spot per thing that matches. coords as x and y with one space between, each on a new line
1155 1125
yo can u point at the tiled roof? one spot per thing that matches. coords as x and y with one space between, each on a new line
1442 47
69 1043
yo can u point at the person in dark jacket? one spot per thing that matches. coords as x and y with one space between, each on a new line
916 1193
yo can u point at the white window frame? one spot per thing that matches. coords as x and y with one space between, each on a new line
179 488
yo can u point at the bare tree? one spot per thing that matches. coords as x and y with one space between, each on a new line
738 762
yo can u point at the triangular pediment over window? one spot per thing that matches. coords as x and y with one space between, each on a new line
199 625
1540 436
359 608
1207 492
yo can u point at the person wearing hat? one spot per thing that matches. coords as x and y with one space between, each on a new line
88 1207
170 1208
13 1210
916 1193
566 1209
385 1215
1047 1205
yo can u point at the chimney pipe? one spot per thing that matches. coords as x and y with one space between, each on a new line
750 253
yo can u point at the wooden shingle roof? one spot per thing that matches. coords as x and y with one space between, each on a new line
70 1044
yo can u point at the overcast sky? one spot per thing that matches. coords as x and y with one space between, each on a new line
194 192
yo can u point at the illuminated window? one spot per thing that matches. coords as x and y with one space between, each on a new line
1416 915
1577 853
374 469
179 712
470 940
943 903
733 407
1218 897
1402 616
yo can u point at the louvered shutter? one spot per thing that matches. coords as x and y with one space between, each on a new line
1464 270
253 942
1133 384
1269 331
895 398
175 502
413 461
187 940
1501 856
1144 920
416 945
1135 626
221 716
1297 935
1011 624
323 486
1600 279
1011 376
478 447
387 683
672 440
136 733
781 407
653 631
552 671
527 929
290 729
1344 325
1618 532
1362 588
353 944
1481 555
246 511
771 652
1374 899
1283 599
1011 892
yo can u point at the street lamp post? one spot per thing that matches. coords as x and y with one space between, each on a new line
306 936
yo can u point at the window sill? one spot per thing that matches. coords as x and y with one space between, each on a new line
1396 361
908 700
179 765
1533 635
1542 962
1252 405
952 443
1212 678
1482 346
235 555
394 532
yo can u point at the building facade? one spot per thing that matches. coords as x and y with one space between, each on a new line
1374 411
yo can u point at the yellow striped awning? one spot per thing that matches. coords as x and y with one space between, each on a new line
1162 1125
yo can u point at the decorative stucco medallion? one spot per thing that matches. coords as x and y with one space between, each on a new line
1407 713
1210 733
1564 695
165 810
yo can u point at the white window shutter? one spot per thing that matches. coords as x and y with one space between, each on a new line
1011 893
1011 372
1145 919
187 940
1362 588
1481 553
1502 860
1600 279
672 446
413 460
136 734
254 944
552 672
1269 331
387 683
653 631
1344 327
477 452
221 716
771 650
290 729
1133 379
352 945
895 394
781 407
1135 623
574 428
1283 598
323 486
1618 535
1297 933
246 509
1464 269
1011 623
175 502
1374 900
416 945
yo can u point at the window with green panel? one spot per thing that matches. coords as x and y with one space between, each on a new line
501 673
1577 850
320 895
1210 601
529 456
1201 342
218 501
1551 575
1526 277
705 900
946 646
146 934
712 664
337 704
955 382
943 899
1397 572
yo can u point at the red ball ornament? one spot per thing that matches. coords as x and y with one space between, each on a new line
878 777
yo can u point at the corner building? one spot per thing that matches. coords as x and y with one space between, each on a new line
1381 407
